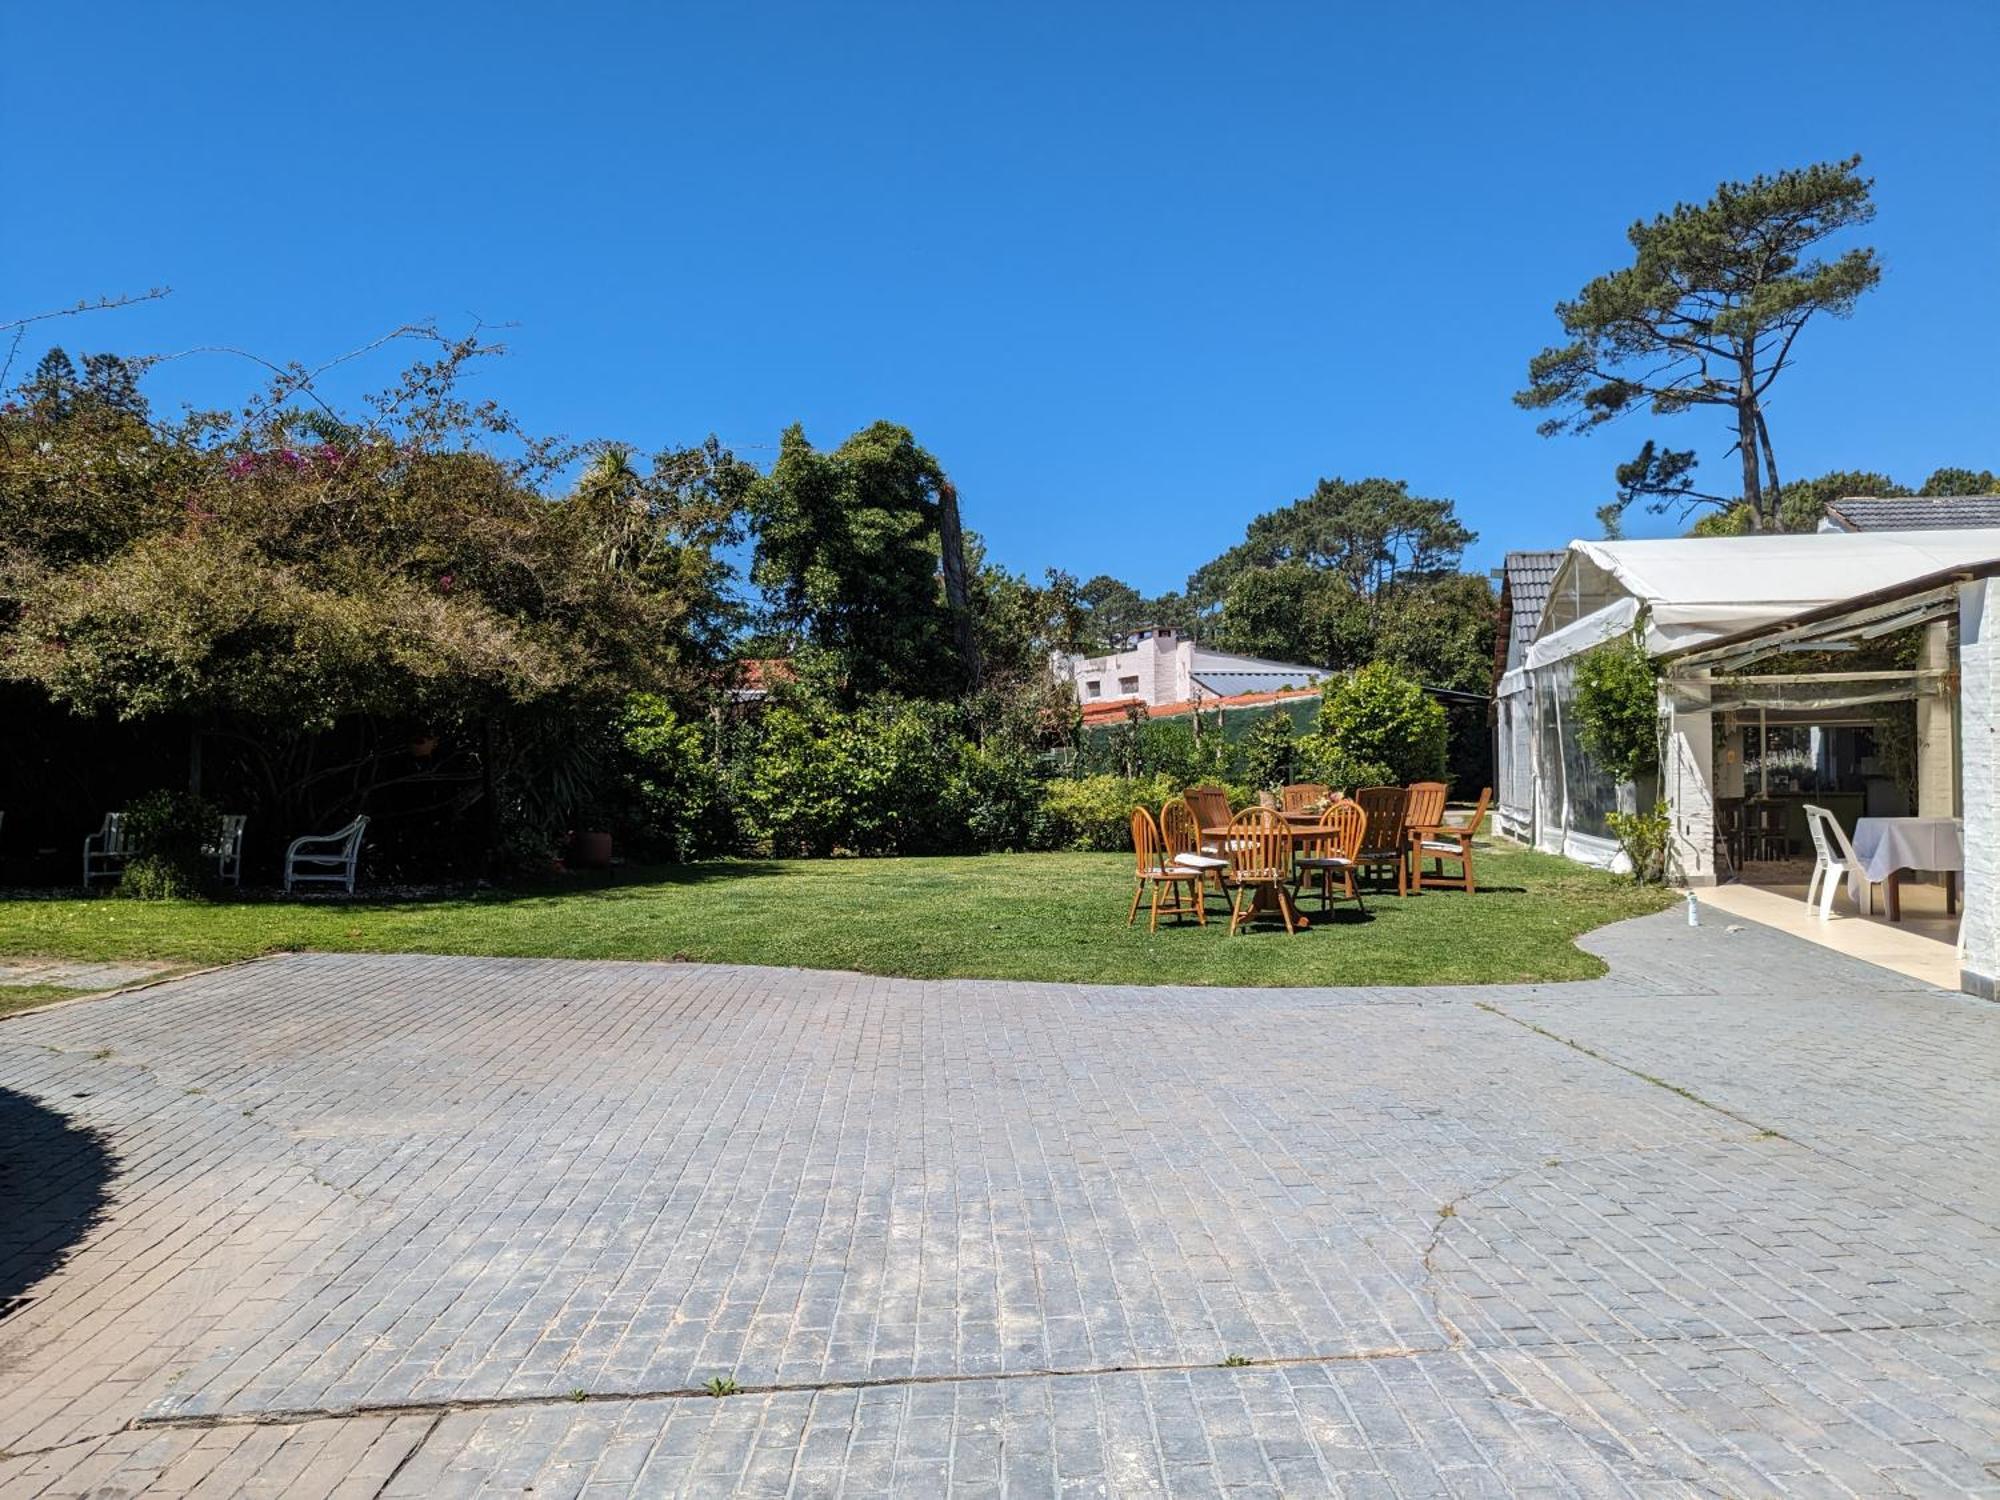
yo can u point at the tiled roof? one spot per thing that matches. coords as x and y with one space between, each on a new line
1110 710
1915 512
1529 575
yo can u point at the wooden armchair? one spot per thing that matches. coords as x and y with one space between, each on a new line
1334 850
1382 845
1153 870
1441 840
1259 850
1210 806
1304 796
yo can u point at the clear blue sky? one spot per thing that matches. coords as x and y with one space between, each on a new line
1134 272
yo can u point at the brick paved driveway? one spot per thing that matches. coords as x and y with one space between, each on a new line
1725 1223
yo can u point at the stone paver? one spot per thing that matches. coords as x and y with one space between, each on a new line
1722 1223
19 973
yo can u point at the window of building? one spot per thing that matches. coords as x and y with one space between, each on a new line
1093 688
1128 686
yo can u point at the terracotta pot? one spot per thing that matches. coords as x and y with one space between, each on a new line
591 850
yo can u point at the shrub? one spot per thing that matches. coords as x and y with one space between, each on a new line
1095 812
1378 726
1643 836
1617 709
673 782
1271 752
888 778
168 832
996 796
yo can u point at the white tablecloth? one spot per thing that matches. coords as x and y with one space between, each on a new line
1885 845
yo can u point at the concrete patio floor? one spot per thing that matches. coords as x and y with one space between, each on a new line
1723 1223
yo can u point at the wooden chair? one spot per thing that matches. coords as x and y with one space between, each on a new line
1182 837
326 858
1153 870
1382 842
1304 796
1424 809
1442 840
1259 850
1210 806
1333 851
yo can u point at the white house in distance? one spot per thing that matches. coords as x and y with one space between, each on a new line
1159 666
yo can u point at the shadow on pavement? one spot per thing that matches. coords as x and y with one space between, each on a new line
53 1190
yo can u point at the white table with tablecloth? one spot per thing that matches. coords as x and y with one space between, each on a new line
1886 846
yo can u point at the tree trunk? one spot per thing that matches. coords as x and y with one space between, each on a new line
1747 444
951 559
1770 467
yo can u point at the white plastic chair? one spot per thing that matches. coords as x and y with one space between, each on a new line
327 858
1835 862
228 850
105 851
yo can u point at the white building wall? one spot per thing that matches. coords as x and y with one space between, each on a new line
1979 731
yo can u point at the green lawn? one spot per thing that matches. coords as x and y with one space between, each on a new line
1022 916
27 996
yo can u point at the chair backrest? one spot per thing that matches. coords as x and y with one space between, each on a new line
232 832
1145 841
113 833
1210 806
352 833
1384 807
1425 808
1346 826
1259 845
1830 840
1177 828
1304 796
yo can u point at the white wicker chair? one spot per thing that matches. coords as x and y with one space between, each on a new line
228 850
326 858
105 851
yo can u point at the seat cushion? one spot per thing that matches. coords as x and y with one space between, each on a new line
1442 846
1324 861
1201 862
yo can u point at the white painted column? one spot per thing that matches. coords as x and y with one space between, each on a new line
1979 732
1687 786
1937 773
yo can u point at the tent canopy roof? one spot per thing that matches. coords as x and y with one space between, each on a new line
1693 589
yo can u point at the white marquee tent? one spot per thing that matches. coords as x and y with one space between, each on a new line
1675 594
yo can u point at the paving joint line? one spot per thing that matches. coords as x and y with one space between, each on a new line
292 1416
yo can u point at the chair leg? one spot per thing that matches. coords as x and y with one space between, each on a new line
1198 893
1285 909
1138 890
1830 883
1236 910
1813 883
1154 924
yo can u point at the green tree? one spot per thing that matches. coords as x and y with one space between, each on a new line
1378 725
1706 316
1948 482
847 556
1617 709
1373 533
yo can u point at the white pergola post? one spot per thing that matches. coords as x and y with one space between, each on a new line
1687 786
1979 732
1937 769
